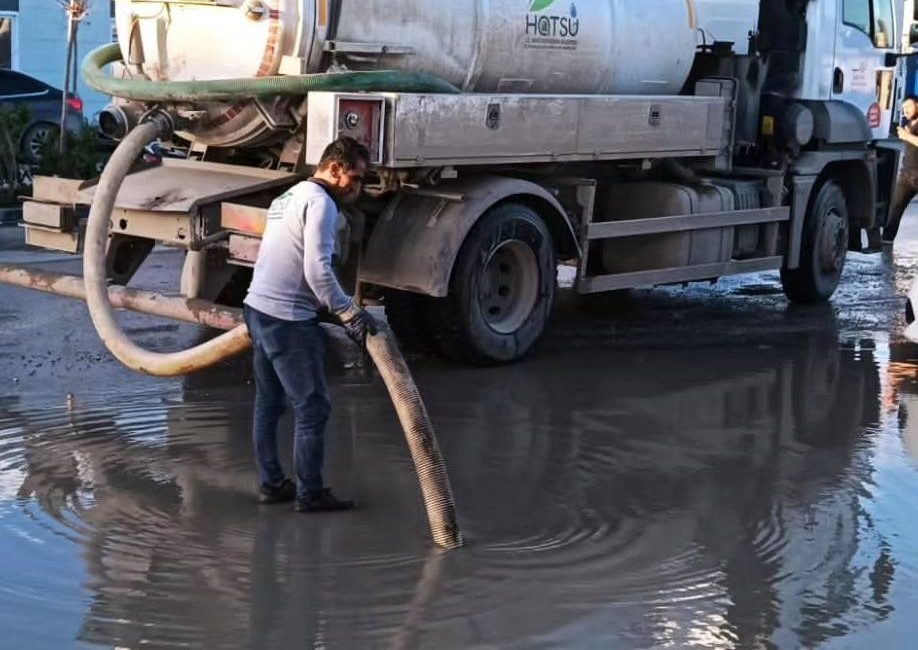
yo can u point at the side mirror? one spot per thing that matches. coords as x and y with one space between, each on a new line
913 34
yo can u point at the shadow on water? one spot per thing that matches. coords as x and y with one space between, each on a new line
682 494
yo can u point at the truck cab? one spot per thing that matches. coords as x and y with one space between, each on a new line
863 73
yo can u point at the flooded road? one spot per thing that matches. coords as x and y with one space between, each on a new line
673 468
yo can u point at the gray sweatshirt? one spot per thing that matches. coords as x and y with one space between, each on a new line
293 275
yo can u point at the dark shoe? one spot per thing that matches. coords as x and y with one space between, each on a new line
283 493
324 501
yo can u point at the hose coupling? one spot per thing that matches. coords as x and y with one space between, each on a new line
117 120
167 121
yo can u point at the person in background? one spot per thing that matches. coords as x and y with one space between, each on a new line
292 282
907 183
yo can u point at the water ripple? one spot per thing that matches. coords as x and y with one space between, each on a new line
669 499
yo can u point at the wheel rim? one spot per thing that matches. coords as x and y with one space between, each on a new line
509 286
833 242
39 137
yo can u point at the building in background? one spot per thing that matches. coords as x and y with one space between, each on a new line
33 40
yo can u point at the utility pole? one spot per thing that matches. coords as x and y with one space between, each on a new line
76 11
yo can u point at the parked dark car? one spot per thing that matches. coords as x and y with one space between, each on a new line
44 104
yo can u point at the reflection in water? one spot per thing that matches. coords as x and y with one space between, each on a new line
610 498
902 394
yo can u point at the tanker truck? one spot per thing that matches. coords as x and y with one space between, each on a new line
637 144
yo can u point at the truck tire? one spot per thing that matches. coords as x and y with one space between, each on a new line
405 312
501 289
823 249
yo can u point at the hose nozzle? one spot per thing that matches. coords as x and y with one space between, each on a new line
117 120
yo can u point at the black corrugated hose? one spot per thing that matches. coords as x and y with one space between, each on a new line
419 432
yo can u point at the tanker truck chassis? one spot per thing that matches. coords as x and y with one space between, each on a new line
750 157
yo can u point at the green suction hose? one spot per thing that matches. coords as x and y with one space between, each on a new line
144 90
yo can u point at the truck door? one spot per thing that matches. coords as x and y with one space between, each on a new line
865 33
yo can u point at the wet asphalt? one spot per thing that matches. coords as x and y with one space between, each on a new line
683 467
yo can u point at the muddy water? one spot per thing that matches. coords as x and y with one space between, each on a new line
684 492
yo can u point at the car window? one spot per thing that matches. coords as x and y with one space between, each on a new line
14 83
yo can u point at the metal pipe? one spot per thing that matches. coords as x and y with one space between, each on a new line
189 310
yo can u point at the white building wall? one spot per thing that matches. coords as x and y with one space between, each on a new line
42 44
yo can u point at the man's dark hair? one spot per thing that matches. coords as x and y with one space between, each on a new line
910 98
346 151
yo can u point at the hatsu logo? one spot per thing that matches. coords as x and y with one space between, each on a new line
551 29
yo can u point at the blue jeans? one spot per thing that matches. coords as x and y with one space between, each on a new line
289 368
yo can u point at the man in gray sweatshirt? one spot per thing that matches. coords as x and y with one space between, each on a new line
293 281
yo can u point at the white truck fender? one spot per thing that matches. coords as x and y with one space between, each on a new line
415 242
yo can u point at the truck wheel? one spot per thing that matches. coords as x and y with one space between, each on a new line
405 312
501 290
823 249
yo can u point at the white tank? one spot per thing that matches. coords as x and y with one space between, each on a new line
534 46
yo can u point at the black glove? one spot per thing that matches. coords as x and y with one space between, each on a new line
359 325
